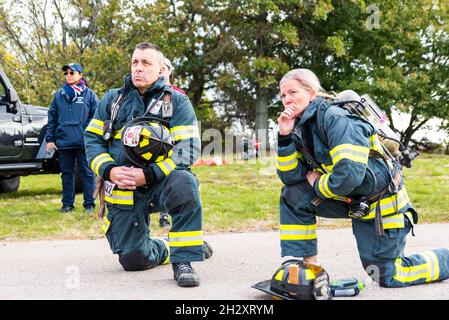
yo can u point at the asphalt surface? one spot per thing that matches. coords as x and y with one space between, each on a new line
86 269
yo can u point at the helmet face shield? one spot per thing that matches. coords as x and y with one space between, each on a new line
146 140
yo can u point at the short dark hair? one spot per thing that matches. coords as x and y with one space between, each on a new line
147 45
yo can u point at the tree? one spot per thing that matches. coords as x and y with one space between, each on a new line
402 63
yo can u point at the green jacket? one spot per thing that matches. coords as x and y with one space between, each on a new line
103 156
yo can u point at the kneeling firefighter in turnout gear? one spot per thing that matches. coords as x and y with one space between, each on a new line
141 142
335 163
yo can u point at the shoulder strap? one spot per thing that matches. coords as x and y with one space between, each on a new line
320 121
107 129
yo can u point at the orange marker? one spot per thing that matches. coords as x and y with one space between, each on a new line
293 274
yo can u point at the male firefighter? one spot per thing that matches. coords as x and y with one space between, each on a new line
131 192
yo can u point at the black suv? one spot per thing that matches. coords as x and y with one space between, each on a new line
22 144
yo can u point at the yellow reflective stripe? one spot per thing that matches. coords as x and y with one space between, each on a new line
99 160
121 197
287 163
186 243
145 132
185 239
184 132
144 142
410 274
105 225
280 275
388 205
95 126
118 134
434 267
185 234
328 168
309 274
394 221
375 143
147 156
323 186
297 232
351 152
167 166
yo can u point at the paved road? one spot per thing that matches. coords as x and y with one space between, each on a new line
87 270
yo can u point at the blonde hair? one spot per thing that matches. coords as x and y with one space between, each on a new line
307 79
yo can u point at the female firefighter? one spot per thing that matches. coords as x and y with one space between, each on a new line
333 174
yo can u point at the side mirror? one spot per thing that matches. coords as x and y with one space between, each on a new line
13 97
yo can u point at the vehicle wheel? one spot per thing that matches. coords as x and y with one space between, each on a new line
78 184
10 184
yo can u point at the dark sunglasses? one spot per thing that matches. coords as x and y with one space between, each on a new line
71 73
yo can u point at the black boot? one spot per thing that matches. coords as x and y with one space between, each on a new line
185 275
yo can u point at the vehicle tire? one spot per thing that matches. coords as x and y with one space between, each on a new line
78 184
10 184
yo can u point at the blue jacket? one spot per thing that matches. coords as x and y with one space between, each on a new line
67 119
341 151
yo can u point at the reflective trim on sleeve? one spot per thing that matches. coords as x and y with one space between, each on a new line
297 232
351 152
328 168
95 126
184 132
375 143
287 163
167 166
99 160
186 239
323 186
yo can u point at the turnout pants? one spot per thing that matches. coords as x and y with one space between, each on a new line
381 256
127 223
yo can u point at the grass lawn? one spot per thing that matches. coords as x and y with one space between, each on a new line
237 197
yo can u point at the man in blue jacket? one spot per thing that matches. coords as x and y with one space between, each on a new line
70 112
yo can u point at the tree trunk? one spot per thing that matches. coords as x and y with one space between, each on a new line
262 117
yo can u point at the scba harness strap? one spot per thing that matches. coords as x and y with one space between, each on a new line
396 178
167 111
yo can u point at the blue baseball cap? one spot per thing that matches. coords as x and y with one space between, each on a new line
73 66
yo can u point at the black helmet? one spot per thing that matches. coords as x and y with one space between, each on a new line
146 140
300 280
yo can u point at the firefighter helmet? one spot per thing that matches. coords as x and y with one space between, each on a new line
146 140
298 280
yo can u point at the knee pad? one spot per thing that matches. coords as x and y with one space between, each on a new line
134 261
